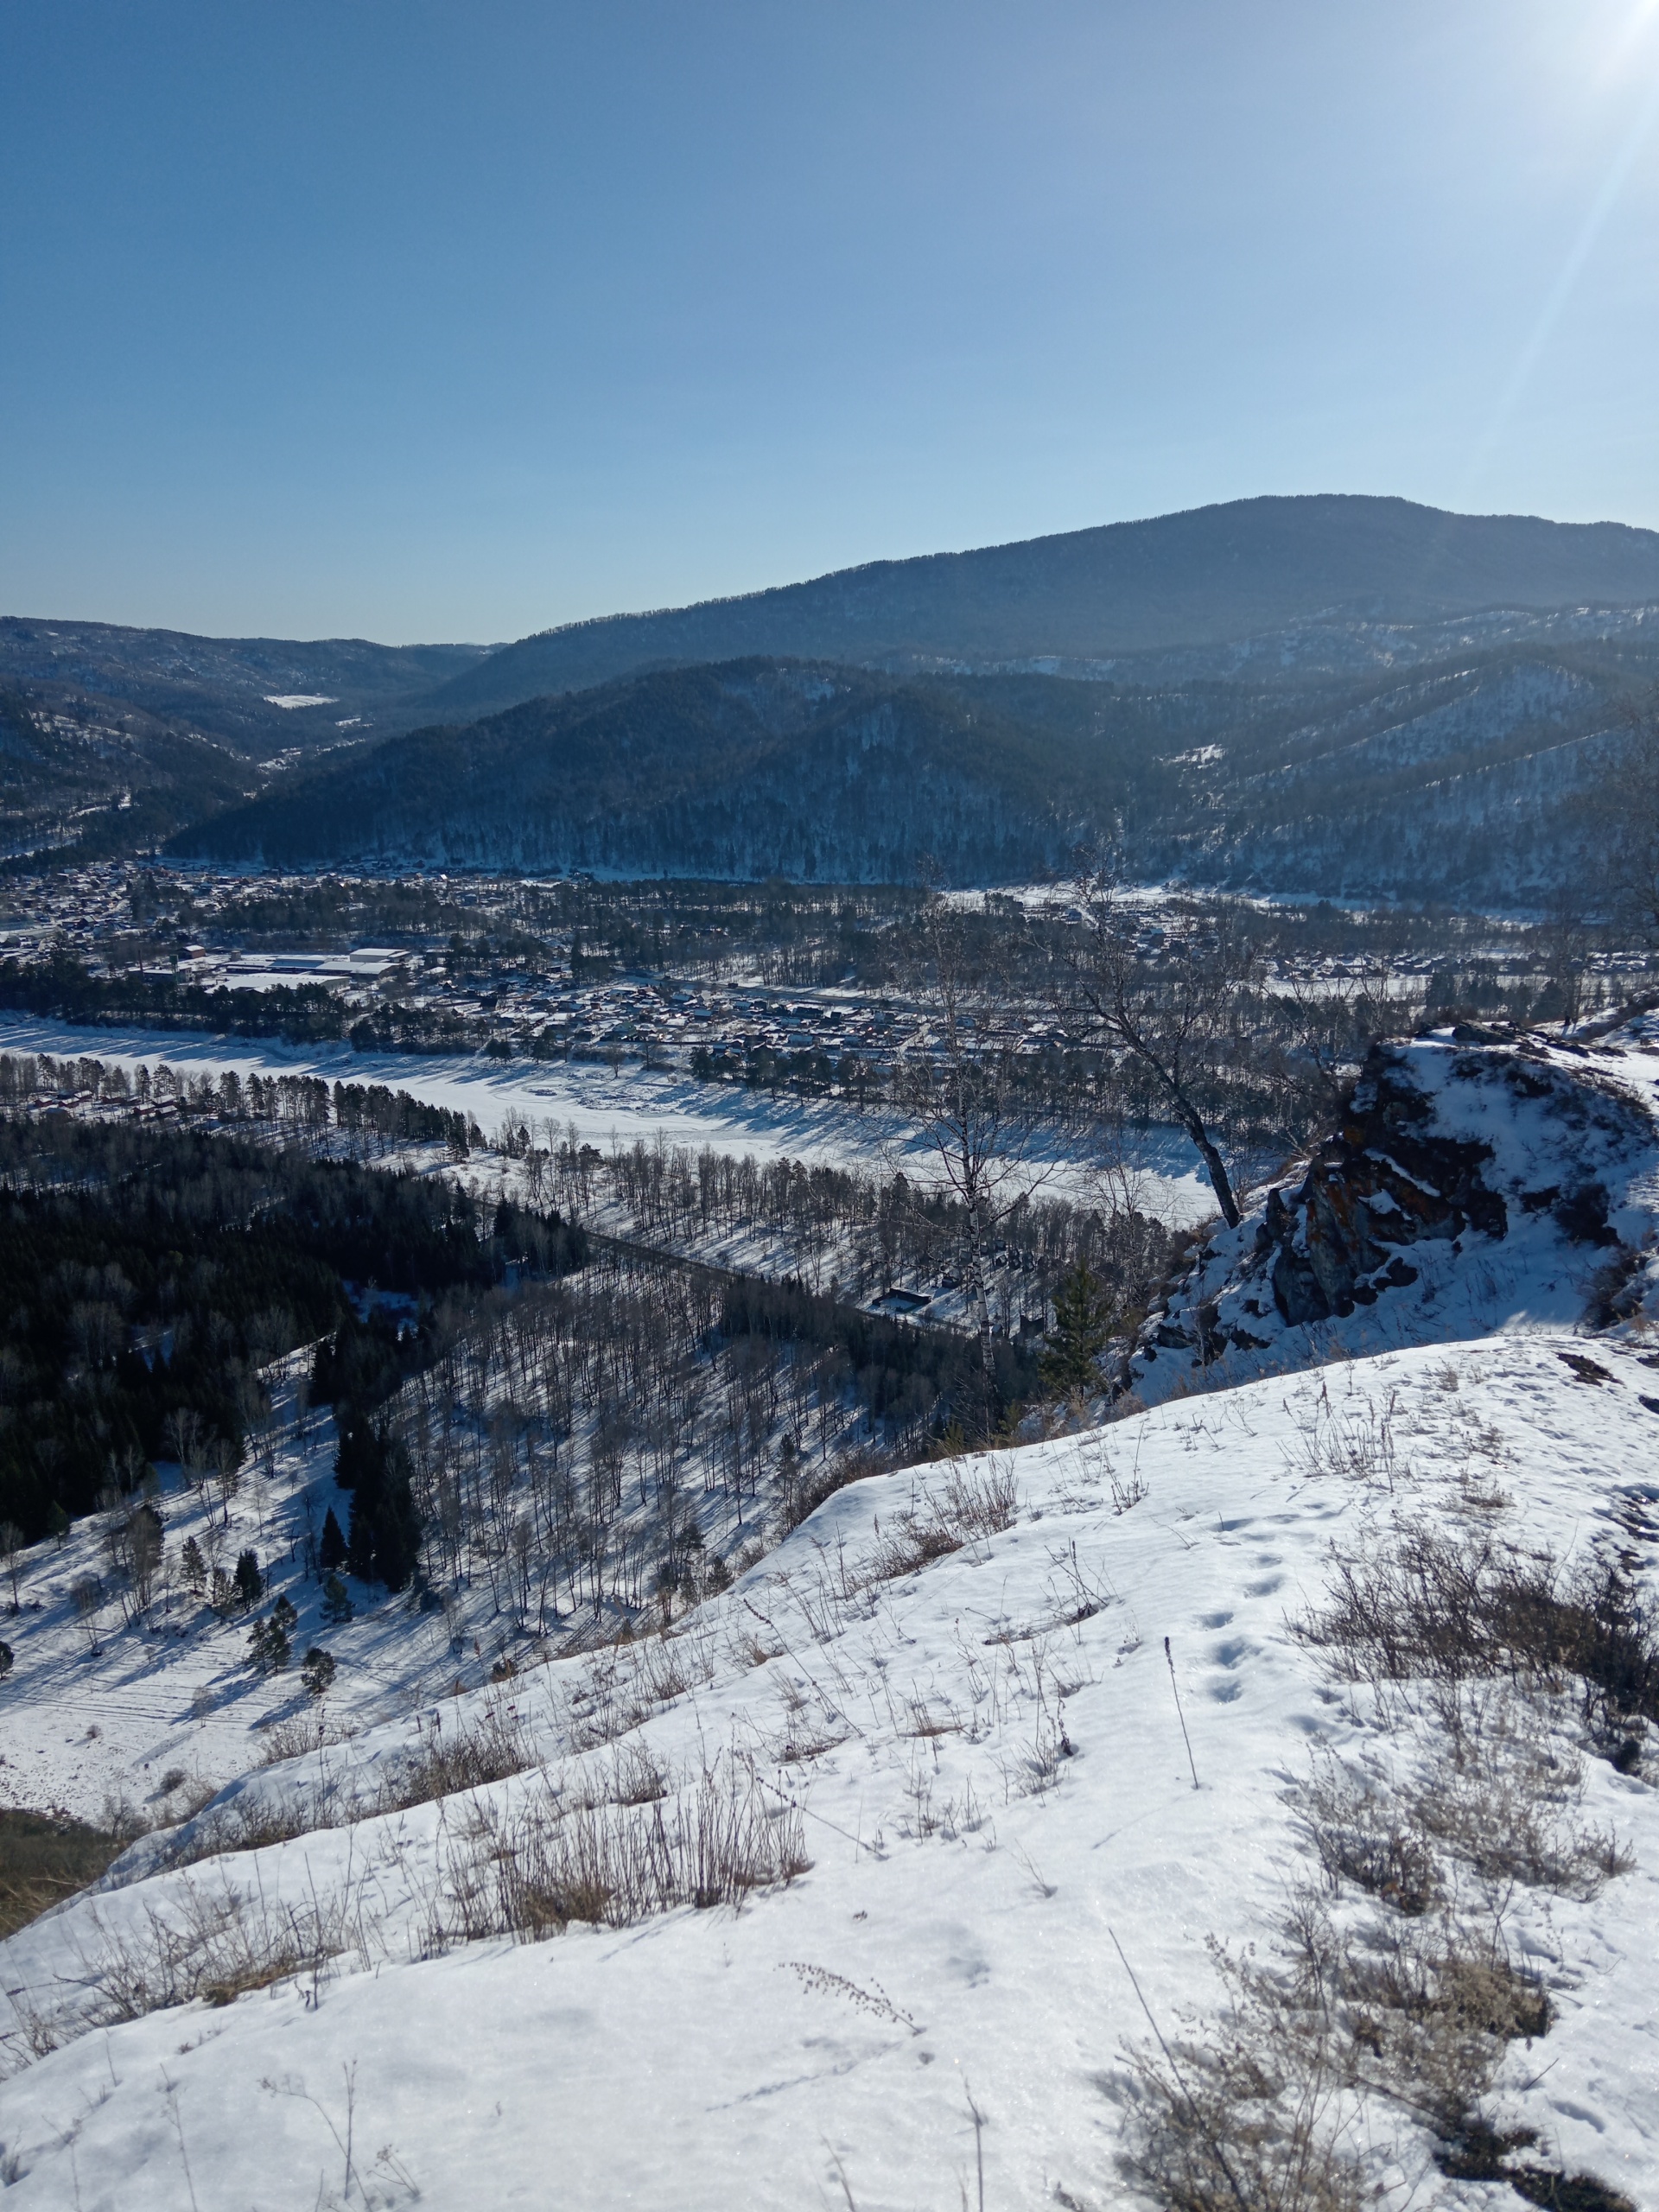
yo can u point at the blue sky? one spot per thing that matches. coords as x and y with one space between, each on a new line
410 319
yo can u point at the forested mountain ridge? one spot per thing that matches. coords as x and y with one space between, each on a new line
1334 695
754 768
224 688
1483 777
111 738
1208 576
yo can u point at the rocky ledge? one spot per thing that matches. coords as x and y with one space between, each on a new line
1479 1178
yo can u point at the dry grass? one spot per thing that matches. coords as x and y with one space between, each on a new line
534 1872
459 1758
44 1858
213 1944
1431 1607
1500 1798
974 1501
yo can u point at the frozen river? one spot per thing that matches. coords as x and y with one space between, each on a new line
606 1108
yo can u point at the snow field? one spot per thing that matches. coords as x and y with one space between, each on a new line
986 1758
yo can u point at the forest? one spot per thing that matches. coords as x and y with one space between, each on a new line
153 1272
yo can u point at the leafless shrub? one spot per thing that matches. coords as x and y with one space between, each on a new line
492 1748
972 1502
1352 1442
223 1830
1449 1609
1503 1798
1362 1834
632 1777
532 1872
214 1945
1500 1798
1250 2115
811 1489
293 1739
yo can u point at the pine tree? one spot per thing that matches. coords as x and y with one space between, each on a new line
337 1605
269 1648
331 1548
1082 1314
194 1568
385 1539
318 1671
248 1582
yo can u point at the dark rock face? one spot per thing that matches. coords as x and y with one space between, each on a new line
1454 1142
1383 1181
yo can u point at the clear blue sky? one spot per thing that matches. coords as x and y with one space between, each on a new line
416 319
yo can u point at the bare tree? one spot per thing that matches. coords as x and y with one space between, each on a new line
11 1557
1171 1006
1632 801
979 1127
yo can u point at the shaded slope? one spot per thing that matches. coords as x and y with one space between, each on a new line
223 686
750 769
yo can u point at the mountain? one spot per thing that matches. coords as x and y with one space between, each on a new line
1205 578
1481 777
229 688
111 738
751 769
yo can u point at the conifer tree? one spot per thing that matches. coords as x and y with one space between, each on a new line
1081 1330
331 1548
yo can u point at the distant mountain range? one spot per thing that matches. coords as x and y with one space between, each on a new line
1205 578
1341 696
229 688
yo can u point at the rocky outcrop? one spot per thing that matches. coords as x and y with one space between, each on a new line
1453 1144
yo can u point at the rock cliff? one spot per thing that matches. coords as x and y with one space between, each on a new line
1479 1179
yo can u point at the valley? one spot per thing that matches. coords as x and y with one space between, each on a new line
894 1405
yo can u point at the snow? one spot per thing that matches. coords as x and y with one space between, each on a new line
1026 1823
291 699
607 1109
955 1936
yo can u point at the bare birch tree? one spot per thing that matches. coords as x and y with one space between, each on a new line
1170 1007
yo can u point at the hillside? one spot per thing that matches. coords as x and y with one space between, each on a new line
235 689
1303 1729
1478 778
110 739
751 769
1203 578
946 1814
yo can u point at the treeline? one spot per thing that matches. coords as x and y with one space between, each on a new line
150 1273
369 1117
63 989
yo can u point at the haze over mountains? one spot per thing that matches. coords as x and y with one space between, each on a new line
1335 694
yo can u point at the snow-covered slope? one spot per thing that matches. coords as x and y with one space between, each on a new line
982 1754
882 1878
